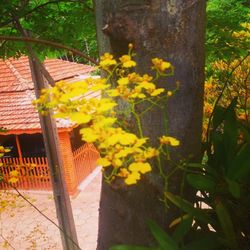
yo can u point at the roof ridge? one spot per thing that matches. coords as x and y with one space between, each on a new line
24 83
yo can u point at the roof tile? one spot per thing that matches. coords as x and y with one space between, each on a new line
17 91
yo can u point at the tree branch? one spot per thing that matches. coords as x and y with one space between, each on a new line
50 43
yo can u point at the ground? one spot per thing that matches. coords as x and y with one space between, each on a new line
22 227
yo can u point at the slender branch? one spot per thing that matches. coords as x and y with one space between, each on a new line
7 241
3 237
50 43
138 121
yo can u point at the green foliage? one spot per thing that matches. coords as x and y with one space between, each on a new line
223 18
67 22
219 218
164 241
222 182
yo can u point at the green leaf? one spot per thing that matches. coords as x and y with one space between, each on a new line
3 130
218 117
234 188
188 207
204 242
245 131
226 224
219 159
163 239
240 166
201 182
195 165
230 134
183 228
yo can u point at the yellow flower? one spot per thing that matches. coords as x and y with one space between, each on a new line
127 139
99 85
113 92
151 152
122 138
103 121
160 65
13 180
140 142
80 117
105 106
130 46
104 162
147 85
88 135
137 95
127 62
169 93
107 61
142 167
123 81
117 162
147 78
123 172
134 77
14 173
4 150
124 152
169 141
132 178
157 92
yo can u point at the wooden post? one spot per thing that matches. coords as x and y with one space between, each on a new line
50 136
18 148
68 162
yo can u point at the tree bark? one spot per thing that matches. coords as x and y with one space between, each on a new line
174 31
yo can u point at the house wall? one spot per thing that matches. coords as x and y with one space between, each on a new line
68 162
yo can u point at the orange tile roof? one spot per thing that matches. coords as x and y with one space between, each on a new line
17 114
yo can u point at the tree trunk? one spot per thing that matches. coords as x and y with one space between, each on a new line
174 31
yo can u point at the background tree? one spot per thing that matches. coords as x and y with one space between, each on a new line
69 22
157 29
223 18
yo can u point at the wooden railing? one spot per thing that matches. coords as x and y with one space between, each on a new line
33 173
85 159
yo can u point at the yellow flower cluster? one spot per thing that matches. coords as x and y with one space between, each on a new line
160 65
125 154
13 177
107 60
134 86
119 148
239 87
14 174
3 150
243 34
127 61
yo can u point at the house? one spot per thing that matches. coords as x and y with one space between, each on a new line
23 132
